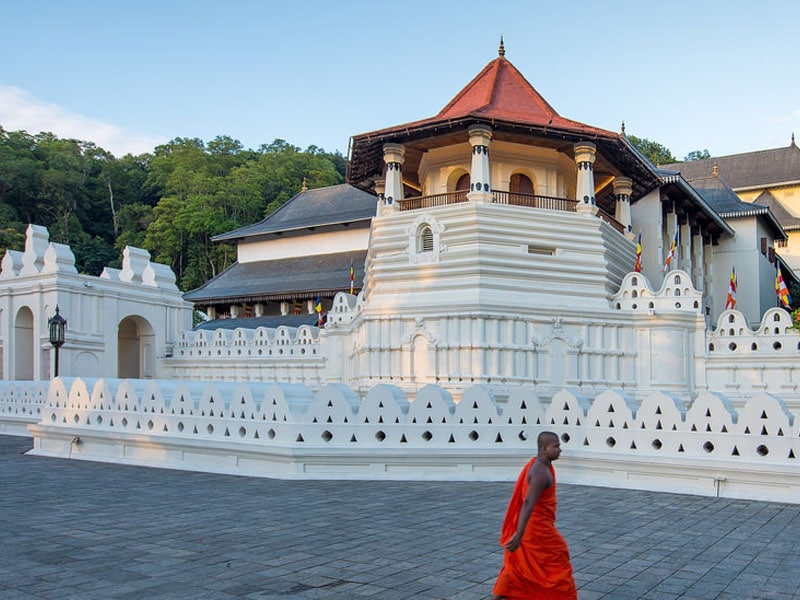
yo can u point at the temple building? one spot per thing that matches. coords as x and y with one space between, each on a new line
497 241
497 142
300 253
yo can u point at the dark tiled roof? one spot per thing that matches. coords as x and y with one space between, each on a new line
719 195
750 169
256 322
703 210
333 205
284 279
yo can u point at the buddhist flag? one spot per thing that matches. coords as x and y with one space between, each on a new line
638 266
672 250
780 288
352 277
730 302
318 308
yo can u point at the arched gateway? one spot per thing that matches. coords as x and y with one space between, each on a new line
135 348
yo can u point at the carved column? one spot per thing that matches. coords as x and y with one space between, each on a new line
698 260
380 192
708 264
623 186
685 236
394 156
584 158
480 187
672 227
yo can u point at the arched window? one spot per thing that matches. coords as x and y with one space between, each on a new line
462 185
520 184
425 239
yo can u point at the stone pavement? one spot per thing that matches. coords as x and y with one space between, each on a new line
80 530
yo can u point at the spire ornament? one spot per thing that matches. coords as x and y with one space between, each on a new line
501 51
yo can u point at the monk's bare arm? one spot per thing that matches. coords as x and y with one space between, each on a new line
539 479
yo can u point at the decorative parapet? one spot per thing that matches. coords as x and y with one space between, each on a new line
677 294
286 342
285 430
58 258
42 257
343 310
774 334
741 361
20 404
11 265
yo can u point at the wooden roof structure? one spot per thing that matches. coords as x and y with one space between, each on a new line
501 97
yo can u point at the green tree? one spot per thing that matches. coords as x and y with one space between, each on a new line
697 155
658 154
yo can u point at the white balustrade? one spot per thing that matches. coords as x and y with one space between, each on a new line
288 430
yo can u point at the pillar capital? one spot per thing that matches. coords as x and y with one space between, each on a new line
623 186
394 153
585 152
480 135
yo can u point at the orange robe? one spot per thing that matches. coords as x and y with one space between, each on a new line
540 567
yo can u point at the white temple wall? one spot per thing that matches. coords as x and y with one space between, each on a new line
96 308
487 256
305 245
755 274
650 341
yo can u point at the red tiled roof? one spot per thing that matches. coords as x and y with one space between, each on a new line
499 96
501 92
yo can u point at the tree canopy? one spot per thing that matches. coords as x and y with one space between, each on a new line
171 202
658 154
697 155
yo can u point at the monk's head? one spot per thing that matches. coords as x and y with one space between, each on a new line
549 445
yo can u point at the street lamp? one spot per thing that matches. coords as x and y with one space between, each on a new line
57 325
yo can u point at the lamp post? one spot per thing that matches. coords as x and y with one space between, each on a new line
57 325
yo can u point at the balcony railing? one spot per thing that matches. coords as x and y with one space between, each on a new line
503 197
534 201
435 200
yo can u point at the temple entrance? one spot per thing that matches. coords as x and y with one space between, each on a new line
23 344
135 349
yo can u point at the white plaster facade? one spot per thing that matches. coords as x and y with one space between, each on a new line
122 323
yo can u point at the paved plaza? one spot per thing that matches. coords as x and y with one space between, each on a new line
81 530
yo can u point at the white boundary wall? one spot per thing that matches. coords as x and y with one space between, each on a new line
287 431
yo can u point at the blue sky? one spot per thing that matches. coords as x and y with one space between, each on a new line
722 76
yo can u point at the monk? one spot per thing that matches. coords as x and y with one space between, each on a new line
535 558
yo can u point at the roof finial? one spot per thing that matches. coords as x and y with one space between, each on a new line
305 187
501 51
622 129
793 144
714 170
